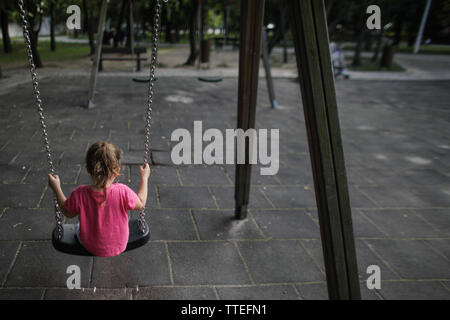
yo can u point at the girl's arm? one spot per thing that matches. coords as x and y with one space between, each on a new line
143 188
55 184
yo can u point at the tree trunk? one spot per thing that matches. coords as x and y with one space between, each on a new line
118 34
376 53
285 49
7 48
276 38
52 26
328 6
34 48
225 20
387 58
399 23
177 32
143 27
411 40
168 25
280 28
357 56
34 34
129 33
192 29
368 43
337 17
202 22
88 24
332 25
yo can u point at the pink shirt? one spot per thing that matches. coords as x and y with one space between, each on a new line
103 227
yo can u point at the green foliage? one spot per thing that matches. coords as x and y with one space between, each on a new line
346 19
404 15
350 15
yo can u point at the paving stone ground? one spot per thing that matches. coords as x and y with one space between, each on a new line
397 150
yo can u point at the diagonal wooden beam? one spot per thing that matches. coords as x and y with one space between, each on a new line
310 35
98 50
268 73
252 14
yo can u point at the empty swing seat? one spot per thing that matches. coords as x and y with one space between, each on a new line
210 79
69 242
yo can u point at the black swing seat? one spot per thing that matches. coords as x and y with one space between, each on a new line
210 79
69 242
143 79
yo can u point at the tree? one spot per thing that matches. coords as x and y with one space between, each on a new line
173 19
52 25
178 17
130 34
168 22
437 27
88 25
4 17
276 12
192 32
360 30
118 35
35 13
340 12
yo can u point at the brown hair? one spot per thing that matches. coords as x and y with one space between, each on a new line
102 162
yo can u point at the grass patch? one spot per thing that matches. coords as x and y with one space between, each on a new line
276 64
64 51
368 65
81 36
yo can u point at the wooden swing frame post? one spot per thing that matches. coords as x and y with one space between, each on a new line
98 51
252 15
268 72
310 35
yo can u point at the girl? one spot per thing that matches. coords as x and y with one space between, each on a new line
103 206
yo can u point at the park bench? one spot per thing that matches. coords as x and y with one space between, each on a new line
137 52
218 42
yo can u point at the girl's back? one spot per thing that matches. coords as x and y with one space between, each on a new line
103 217
103 206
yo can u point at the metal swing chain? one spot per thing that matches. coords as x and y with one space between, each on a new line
40 109
150 96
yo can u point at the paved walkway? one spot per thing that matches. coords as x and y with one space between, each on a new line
397 153
418 67
225 64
